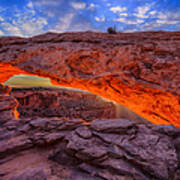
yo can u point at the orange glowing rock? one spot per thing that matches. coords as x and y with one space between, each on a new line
8 105
7 71
138 70
16 113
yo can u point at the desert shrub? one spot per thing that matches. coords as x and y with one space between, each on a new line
111 30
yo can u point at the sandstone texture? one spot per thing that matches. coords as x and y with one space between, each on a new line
110 149
138 70
54 102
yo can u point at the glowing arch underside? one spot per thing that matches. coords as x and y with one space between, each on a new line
134 99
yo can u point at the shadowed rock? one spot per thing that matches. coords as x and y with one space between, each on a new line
54 102
99 150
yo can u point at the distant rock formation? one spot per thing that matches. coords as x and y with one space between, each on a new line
63 102
138 70
54 102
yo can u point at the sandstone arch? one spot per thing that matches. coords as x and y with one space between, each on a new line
139 70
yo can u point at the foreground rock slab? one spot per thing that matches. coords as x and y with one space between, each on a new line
113 149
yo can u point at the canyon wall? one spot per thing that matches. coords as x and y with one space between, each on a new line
138 70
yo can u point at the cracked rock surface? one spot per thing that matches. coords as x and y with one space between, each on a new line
104 149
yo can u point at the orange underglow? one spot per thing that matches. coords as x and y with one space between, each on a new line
16 113
155 105
7 71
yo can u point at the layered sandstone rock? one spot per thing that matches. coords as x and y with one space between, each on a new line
138 70
8 105
112 149
56 102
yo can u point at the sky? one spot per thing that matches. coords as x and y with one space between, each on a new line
28 81
27 18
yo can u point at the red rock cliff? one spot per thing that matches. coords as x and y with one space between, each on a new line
139 70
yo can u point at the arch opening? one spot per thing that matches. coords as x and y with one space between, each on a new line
37 96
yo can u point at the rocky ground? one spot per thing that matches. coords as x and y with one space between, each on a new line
74 149
116 149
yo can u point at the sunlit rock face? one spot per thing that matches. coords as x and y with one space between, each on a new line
8 105
137 70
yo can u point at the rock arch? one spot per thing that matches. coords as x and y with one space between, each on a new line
138 70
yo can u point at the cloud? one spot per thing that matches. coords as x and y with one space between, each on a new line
128 21
11 29
92 6
169 18
25 28
68 15
118 9
24 22
100 19
168 22
141 11
49 3
149 26
78 5
81 26
30 8
1 33
64 23
35 26
1 18
131 30
30 4
123 14
162 16
153 13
